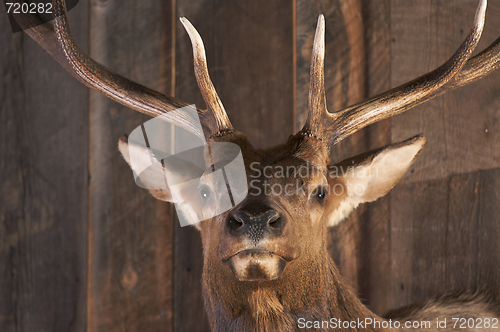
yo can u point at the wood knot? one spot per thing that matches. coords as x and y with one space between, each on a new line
129 278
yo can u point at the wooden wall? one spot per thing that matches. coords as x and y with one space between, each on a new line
43 186
130 258
83 249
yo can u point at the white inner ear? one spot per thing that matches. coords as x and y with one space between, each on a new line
356 182
144 165
143 158
342 212
374 178
388 167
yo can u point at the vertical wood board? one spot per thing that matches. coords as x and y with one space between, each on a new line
131 233
437 251
43 186
440 240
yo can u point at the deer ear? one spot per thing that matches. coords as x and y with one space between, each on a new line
368 177
143 159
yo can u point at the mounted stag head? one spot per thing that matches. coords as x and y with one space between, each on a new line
266 265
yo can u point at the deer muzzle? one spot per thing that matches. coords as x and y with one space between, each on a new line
257 244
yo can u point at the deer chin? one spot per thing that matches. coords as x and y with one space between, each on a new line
257 265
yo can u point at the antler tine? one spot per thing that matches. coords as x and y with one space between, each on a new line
317 99
337 126
55 37
477 67
202 77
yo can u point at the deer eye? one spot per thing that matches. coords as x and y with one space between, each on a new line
205 193
319 194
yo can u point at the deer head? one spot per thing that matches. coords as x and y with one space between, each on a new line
265 260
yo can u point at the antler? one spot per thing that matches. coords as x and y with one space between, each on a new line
204 83
55 37
459 70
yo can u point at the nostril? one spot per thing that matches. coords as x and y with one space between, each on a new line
234 224
273 218
276 223
243 222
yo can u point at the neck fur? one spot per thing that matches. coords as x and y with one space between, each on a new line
316 296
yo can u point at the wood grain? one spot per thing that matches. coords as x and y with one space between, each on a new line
461 126
443 216
43 186
448 249
375 245
130 233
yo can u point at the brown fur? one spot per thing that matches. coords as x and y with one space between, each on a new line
476 306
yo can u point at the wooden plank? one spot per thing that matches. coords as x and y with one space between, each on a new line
487 231
375 245
436 251
444 224
473 232
43 195
249 49
424 35
131 234
418 231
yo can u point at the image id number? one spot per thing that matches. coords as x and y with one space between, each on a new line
29 8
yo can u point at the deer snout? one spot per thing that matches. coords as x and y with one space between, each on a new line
255 225
257 242
254 244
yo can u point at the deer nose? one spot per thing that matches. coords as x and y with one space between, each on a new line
256 225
